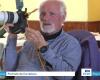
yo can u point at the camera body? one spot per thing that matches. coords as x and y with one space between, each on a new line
19 19
21 24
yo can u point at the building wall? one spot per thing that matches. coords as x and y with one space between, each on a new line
93 10
76 9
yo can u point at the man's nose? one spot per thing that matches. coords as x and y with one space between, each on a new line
46 17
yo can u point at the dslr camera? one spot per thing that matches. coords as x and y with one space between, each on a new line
19 19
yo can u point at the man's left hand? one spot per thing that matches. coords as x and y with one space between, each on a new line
35 37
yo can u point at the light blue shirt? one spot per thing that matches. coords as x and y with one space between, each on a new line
63 54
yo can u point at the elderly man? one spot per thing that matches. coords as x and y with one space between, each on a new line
50 49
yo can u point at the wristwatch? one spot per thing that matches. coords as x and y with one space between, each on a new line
43 49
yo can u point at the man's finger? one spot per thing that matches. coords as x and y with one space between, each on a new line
9 25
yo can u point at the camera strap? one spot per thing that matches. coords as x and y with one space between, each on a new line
42 62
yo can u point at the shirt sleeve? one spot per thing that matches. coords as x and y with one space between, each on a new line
69 59
10 54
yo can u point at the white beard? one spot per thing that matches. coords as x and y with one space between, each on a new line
48 28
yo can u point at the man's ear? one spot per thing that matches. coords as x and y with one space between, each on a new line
63 18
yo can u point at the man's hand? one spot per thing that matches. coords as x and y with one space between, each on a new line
35 37
7 28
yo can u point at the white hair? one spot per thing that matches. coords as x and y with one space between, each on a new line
63 8
62 5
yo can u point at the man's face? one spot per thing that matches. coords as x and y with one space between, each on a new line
50 18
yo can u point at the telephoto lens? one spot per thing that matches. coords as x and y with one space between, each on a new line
8 17
17 18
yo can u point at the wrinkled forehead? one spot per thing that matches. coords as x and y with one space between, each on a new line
50 5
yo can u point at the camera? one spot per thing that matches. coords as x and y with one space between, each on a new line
19 19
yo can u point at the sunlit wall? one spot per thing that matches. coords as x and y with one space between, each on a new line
77 10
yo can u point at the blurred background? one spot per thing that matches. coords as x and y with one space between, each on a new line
81 14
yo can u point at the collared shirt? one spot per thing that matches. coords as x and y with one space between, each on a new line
63 54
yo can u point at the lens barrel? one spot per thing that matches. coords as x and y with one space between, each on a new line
8 17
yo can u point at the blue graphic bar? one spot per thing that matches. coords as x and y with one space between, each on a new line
2 73
95 73
85 72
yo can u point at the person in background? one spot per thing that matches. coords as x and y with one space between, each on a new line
50 49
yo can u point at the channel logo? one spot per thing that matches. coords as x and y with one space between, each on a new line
86 72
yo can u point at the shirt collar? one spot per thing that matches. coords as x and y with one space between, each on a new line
49 37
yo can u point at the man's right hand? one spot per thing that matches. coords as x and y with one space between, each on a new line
7 27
